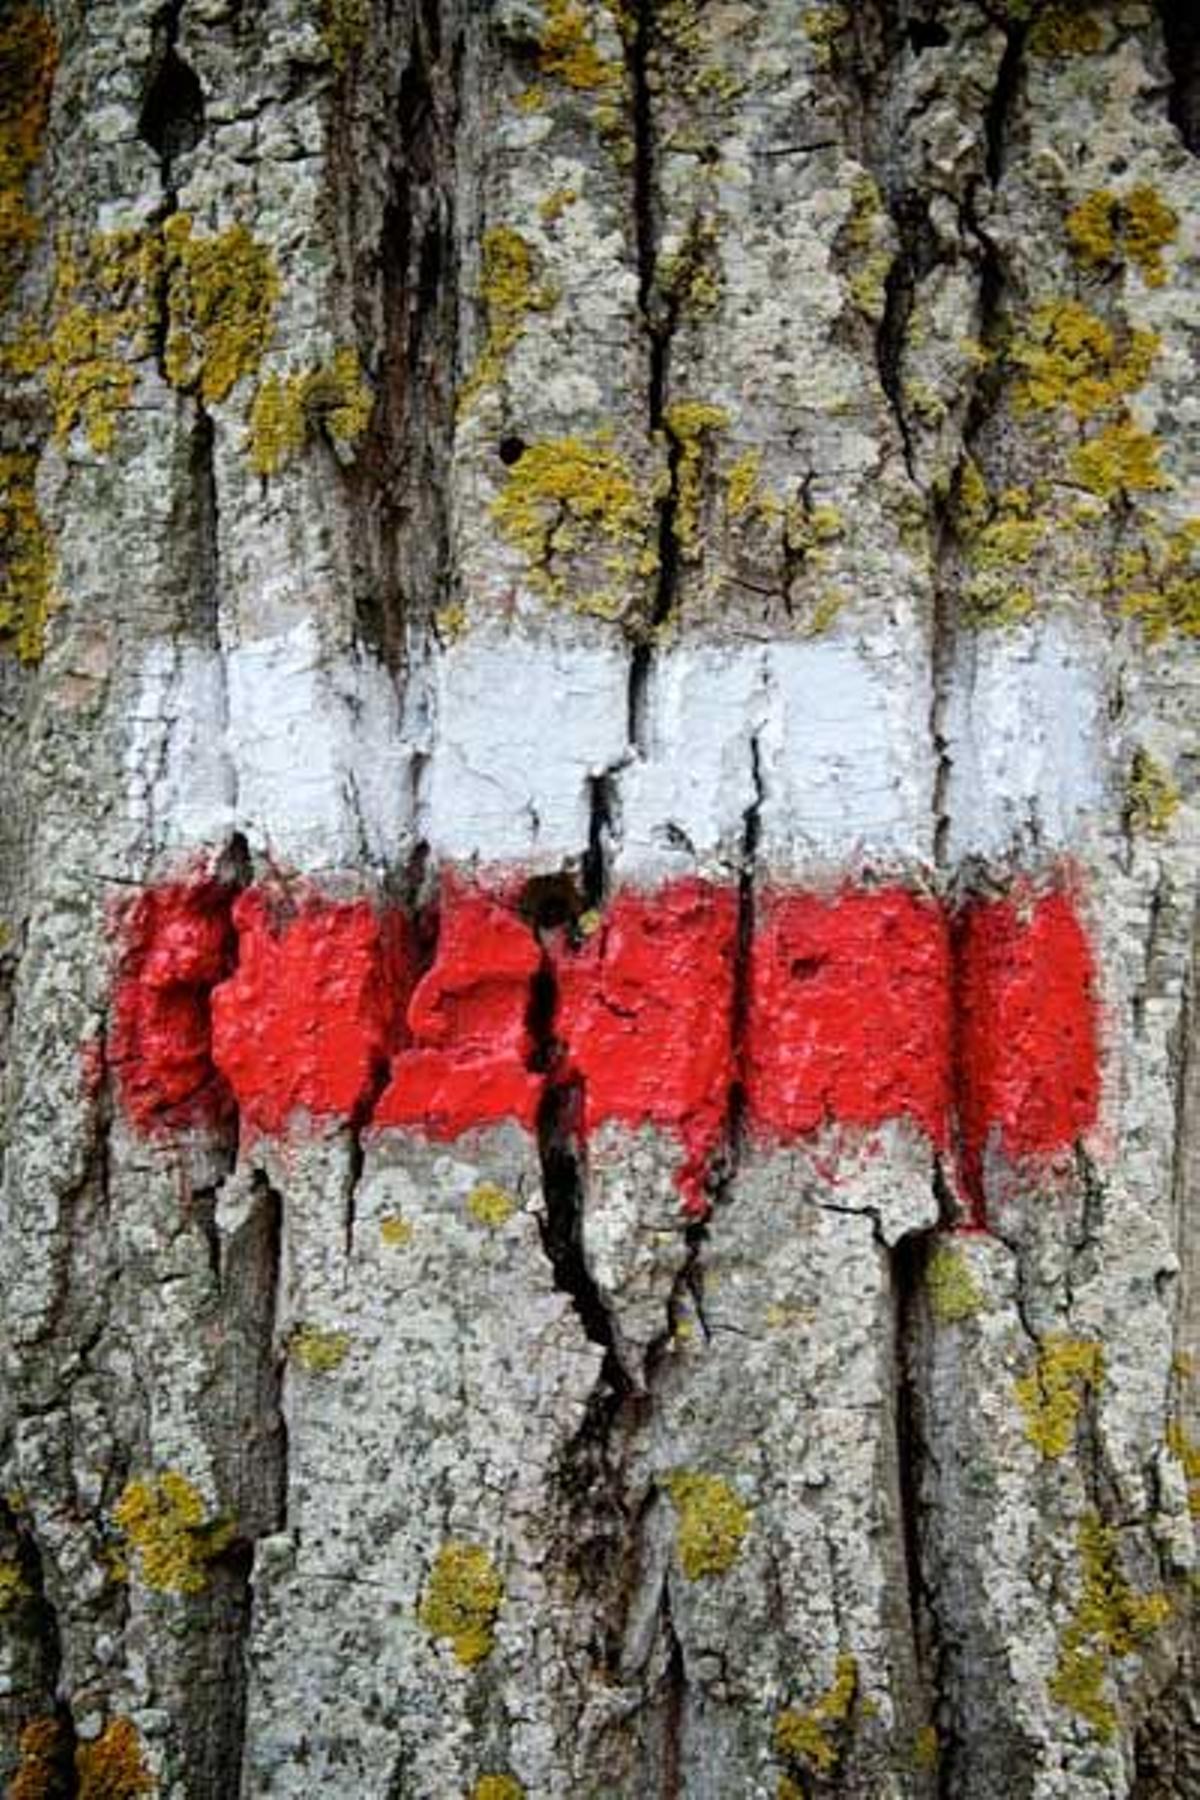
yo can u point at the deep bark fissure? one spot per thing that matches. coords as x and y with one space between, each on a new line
1181 31
171 121
743 951
248 1432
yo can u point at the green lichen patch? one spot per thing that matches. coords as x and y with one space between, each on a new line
822 26
1108 230
1071 358
713 1522
26 560
1067 28
331 398
221 296
28 55
344 25
13 1586
497 1787
1186 1451
490 1206
576 500
163 1518
510 291
867 235
1151 797
690 278
111 1767
318 1351
809 1739
1110 1621
461 1601
1051 1395
954 1294
926 1750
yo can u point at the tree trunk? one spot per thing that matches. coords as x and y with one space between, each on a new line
598 884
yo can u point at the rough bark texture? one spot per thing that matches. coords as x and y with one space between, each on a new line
598 892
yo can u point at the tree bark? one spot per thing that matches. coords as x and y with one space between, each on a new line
598 889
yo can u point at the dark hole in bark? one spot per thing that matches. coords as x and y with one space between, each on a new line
1181 30
511 450
927 34
172 120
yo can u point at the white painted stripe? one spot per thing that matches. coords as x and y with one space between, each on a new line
523 724
1025 736
309 757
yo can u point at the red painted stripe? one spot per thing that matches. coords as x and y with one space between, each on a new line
645 1012
177 944
1028 1050
288 1008
468 1021
849 1014
307 1021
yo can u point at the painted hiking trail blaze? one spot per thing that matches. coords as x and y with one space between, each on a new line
861 1007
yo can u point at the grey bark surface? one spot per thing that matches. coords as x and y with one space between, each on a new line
800 235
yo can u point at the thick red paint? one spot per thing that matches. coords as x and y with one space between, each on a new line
468 1023
1027 1049
314 1009
304 1008
177 943
645 1014
849 1014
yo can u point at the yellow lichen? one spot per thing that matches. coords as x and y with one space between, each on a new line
509 293
44 1767
742 483
1107 230
221 295
1067 28
344 25
688 423
110 1767
1186 1450
822 26
690 277
1151 797
1121 458
26 561
713 1521
567 51
333 398
1110 1621
317 1350
926 1751
953 1292
865 233
1000 534
461 1600
552 208
28 53
1157 581
13 1587
1071 358
1051 1395
164 1520
809 1738
98 324
396 1231
490 1206
809 529
497 1787
573 496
